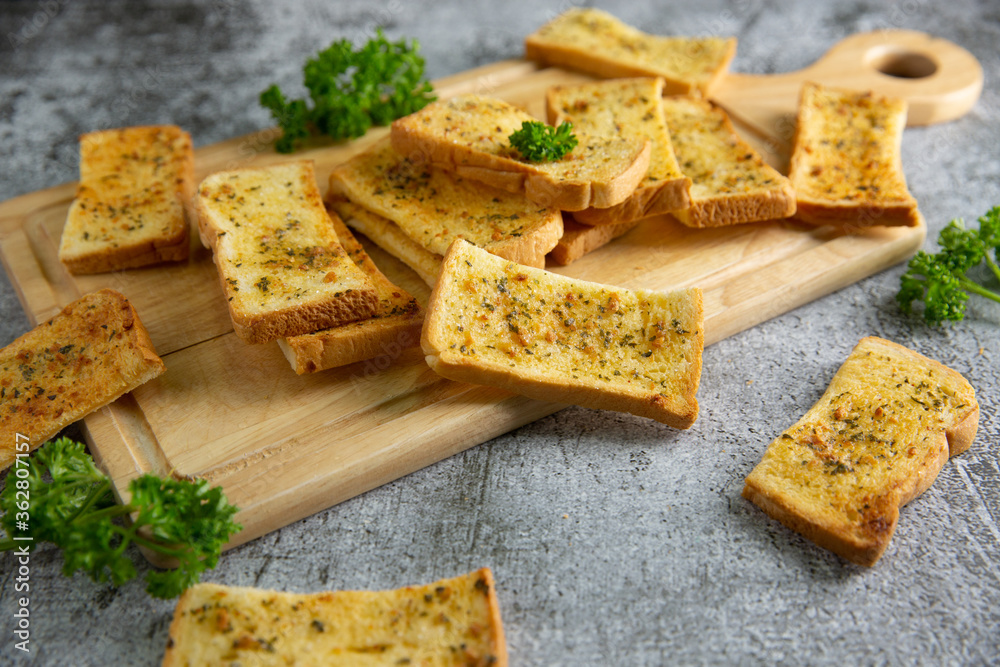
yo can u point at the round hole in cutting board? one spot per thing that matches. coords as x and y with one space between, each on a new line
903 64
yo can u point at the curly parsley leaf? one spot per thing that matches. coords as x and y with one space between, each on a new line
351 90
76 511
941 280
538 142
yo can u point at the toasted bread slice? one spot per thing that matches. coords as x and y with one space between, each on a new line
730 183
433 207
846 163
596 42
129 210
470 135
875 440
395 325
88 355
631 108
388 236
282 268
578 240
450 622
490 321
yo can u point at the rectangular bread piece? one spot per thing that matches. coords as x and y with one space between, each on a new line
433 206
470 136
846 163
394 326
130 207
578 240
875 440
631 108
282 268
593 41
88 355
388 236
552 338
730 183
449 622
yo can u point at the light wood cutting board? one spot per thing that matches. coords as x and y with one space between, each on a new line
284 446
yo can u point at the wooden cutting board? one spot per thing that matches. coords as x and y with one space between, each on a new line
285 446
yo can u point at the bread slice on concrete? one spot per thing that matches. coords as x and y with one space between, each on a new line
450 622
490 321
470 136
282 268
88 355
578 240
846 163
730 183
129 210
394 327
433 207
593 41
631 108
875 440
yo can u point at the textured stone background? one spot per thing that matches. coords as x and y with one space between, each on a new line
614 540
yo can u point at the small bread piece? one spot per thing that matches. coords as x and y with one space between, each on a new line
395 325
388 236
596 42
490 321
282 268
129 210
450 622
730 183
875 440
578 240
88 355
433 207
846 163
631 108
470 136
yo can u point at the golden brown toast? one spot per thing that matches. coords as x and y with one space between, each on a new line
593 41
875 440
470 136
631 108
452 622
433 207
129 210
394 326
490 321
846 163
88 355
730 183
282 269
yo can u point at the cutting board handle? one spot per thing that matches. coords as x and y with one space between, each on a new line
940 80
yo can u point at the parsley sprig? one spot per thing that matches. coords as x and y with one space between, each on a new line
76 511
351 90
538 142
941 280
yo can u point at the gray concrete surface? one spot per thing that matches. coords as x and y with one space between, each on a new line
614 540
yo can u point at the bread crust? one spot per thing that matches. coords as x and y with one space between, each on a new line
469 135
862 184
549 383
80 360
126 214
862 535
